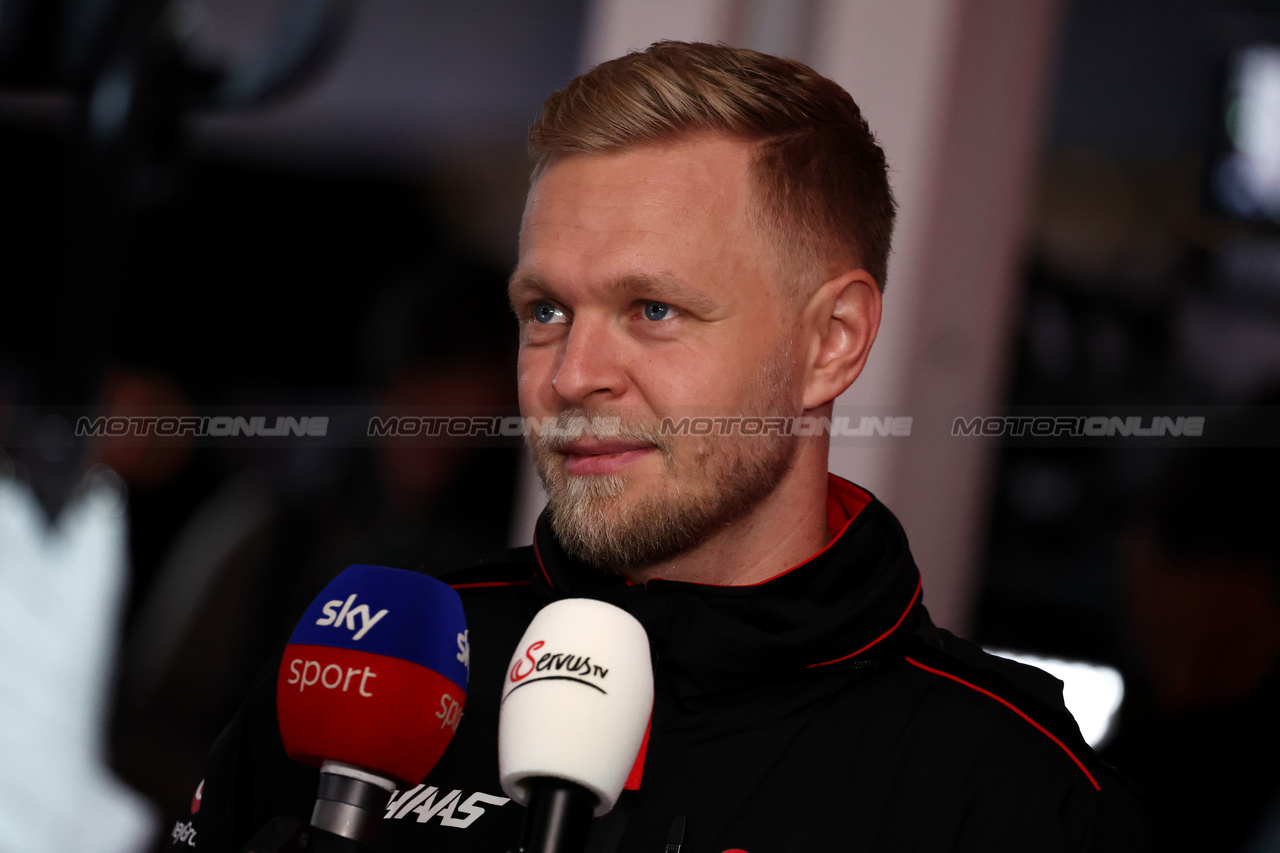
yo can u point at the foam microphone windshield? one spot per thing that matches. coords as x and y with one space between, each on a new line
576 701
374 677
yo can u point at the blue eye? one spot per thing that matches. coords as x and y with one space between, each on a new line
545 312
656 310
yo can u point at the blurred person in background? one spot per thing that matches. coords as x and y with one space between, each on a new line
62 582
1198 731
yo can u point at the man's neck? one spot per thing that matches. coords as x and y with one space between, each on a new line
785 529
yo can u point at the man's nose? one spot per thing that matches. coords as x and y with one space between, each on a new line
590 366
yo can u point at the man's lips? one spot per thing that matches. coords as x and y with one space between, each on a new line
596 456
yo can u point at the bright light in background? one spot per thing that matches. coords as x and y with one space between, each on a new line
1249 179
1092 692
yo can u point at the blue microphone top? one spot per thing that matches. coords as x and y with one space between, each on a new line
391 612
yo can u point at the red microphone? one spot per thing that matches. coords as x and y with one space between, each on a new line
371 689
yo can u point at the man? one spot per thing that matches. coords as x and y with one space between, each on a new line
706 237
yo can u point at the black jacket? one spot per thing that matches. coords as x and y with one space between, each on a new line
820 710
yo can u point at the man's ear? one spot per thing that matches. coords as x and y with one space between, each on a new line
841 320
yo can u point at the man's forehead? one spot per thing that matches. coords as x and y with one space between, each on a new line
705 174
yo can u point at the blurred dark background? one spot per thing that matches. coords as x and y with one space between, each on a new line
348 245
1147 283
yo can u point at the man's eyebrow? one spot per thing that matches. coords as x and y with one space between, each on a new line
523 285
665 287
659 287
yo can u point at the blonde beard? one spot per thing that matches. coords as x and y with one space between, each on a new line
707 484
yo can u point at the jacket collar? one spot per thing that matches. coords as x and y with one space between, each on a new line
836 610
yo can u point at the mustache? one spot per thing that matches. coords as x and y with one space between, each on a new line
555 434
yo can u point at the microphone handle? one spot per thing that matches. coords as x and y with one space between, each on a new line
558 817
349 807
290 835
344 820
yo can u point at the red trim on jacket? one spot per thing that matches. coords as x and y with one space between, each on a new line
1010 706
910 604
637 769
845 502
538 556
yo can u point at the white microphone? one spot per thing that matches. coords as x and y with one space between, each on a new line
575 704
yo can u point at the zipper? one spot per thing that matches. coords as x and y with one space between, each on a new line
675 835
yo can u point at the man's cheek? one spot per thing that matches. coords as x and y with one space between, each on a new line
533 384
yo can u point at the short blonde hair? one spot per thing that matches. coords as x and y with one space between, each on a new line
817 169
